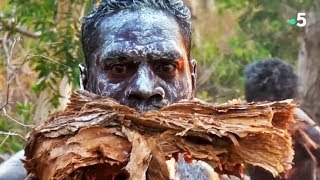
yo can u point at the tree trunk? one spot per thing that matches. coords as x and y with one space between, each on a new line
309 69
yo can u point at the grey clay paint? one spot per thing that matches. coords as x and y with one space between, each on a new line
139 58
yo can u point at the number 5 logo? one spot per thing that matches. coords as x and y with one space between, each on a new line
301 17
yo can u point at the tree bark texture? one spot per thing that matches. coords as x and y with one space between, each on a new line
96 137
309 69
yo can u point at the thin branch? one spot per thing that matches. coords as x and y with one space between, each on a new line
11 49
52 60
25 60
9 27
4 44
5 38
7 97
28 33
12 119
9 77
9 81
5 139
12 134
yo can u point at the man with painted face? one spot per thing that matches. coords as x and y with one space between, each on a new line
138 52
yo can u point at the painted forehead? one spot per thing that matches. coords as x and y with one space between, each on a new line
140 19
140 27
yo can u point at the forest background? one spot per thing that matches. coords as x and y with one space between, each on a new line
40 51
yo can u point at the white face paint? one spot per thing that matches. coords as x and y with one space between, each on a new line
139 58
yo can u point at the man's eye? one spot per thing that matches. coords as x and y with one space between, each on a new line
118 69
167 68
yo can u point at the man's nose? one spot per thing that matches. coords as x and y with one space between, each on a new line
144 86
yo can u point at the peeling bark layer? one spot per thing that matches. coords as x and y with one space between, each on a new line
97 138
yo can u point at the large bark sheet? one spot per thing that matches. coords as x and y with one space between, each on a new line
97 138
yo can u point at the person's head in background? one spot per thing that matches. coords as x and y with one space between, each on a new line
138 52
270 80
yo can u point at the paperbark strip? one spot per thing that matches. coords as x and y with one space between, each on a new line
96 137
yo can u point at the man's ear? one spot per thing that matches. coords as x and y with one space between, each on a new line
83 76
193 64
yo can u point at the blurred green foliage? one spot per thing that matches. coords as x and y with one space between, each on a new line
55 54
266 22
262 31
24 112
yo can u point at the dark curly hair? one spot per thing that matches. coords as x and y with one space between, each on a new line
107 7
270 80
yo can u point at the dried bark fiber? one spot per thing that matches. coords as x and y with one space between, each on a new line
97 138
